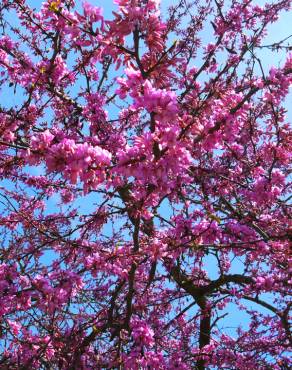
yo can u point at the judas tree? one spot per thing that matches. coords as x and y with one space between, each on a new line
144 186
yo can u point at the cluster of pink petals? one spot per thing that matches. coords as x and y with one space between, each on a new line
75 161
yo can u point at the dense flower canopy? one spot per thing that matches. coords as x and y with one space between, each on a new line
144 189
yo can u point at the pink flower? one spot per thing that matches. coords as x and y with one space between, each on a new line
14 326
142 333
93 12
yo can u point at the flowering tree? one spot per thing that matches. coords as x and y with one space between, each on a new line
144 188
